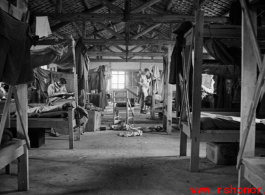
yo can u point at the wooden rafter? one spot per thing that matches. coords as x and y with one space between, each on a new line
111 6
102 30
170 3
157 8
113 42
144 6
146 30
128 60
110 30
157 31
92 10
87 4
60 9
130 54
149 18
127 25
59 5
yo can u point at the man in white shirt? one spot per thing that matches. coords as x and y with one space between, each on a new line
144 86
56 89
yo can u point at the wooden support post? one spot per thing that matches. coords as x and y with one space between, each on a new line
70 127
165 66
59 6
127 107
22 93
23 171
169 93
5 113
78 134
248 83
196 91
152 112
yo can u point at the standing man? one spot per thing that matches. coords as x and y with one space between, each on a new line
144 87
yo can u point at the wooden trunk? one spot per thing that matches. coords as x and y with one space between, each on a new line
94 121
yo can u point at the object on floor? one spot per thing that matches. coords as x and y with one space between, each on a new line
94 121
157 128
222 153
121 126
43 28
131 133
36 137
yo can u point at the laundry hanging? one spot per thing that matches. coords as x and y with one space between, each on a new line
43 28
15 43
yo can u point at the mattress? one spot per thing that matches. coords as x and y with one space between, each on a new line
221 122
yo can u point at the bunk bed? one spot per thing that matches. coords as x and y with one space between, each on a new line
16 148
191 122
63 120
66 121
250 167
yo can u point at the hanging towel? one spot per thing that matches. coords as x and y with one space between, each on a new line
43 28
156 73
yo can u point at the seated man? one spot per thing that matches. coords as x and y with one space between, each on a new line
56 89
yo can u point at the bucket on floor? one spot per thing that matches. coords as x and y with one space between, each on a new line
222 153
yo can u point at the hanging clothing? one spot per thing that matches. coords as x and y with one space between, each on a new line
43 28
97 81
176 57
48 55
15 43
156 78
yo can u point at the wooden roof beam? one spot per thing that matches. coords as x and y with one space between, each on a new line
170 4
158 32
157 8
144 6
87 4
59 9
146 30
113 42
130 54
111 6
148 18
102 30
59 6
93 9
110 30
129 60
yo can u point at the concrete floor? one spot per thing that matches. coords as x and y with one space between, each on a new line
104 163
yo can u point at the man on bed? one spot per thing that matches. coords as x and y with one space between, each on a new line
55 92
58 90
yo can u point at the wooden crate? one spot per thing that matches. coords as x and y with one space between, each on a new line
94 121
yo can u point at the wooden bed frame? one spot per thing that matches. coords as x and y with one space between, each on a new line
249 166
17 148
12 150
66 124
191 128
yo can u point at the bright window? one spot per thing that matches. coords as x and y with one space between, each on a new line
117 79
